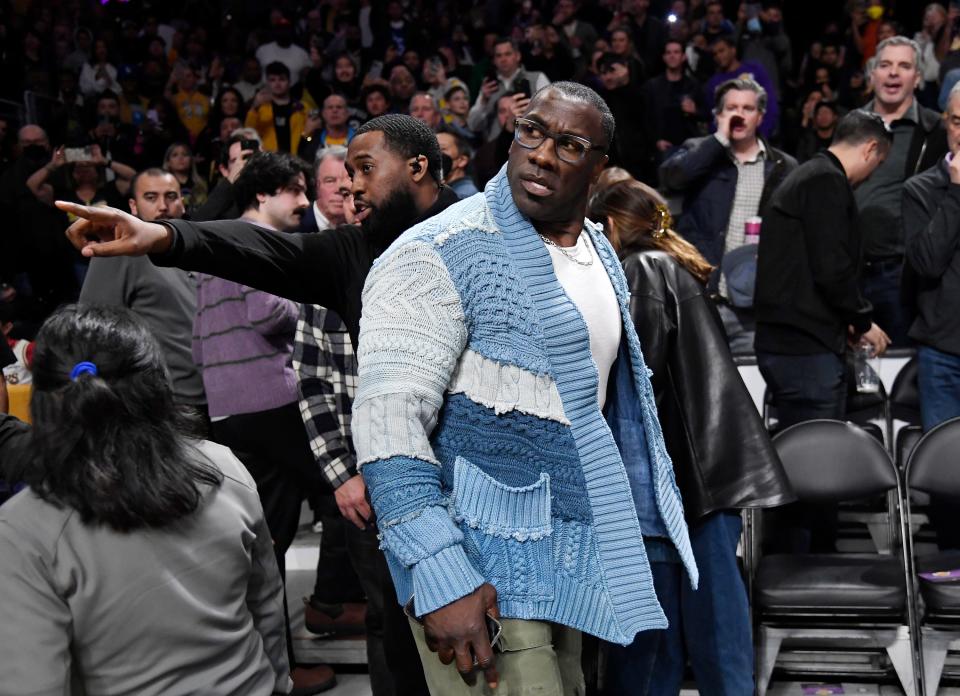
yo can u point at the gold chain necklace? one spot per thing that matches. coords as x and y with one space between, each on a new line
569 256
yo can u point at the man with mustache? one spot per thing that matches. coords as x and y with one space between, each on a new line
496 337
395 164
243 342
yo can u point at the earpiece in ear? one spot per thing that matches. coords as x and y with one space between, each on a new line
415 166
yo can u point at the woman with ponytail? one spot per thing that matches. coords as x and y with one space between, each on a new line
721 453
137 561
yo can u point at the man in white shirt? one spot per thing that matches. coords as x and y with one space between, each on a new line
331 182
284 50
510 77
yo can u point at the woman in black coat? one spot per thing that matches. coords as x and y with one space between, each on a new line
721 453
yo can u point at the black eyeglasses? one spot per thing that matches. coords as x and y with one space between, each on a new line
570 148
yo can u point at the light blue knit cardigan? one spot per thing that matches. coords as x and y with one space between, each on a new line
477 427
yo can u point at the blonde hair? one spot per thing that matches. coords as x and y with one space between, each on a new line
641 222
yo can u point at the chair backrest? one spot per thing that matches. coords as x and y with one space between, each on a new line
934 466
907 439
904 392
862 407
831 461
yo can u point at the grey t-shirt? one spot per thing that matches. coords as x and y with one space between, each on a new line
196 607
166 299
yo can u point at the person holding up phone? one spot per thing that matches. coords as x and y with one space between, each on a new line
84 181
507 75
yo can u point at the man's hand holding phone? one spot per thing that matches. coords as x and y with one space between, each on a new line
488 88
466 632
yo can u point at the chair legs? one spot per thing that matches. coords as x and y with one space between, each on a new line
895 641
901 655
936 644
767 650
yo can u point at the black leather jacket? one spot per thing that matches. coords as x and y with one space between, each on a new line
721 452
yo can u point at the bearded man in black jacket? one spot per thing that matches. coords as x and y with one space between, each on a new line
395 165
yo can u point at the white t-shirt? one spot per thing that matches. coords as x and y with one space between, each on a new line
589 288
294 57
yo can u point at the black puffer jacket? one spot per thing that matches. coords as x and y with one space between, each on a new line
721 452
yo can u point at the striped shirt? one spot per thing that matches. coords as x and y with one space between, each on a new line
243 340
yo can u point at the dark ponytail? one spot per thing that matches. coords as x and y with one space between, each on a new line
112 445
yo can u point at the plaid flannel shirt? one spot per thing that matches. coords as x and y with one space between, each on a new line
326 369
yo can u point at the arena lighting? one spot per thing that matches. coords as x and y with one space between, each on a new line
672 18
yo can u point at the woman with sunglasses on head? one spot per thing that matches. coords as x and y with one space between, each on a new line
721 453
138 560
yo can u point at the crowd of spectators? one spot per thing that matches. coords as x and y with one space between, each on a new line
94 92
725 115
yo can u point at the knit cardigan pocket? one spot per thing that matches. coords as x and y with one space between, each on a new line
507 531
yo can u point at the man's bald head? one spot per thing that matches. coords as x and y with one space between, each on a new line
32 135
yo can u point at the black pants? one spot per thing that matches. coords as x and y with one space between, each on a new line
341 556
805 387
348 571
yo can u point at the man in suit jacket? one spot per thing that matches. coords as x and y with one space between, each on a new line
331 183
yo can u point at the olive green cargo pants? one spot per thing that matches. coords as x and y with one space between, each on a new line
537 658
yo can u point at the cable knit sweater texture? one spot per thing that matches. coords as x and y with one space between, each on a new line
477 427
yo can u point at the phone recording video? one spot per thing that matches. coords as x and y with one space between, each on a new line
78 154
522 86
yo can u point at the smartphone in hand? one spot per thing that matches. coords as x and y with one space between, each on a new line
522 86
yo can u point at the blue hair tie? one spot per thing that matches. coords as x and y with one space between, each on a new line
82 368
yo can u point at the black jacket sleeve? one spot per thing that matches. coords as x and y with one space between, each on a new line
931 229
14 434
833 249
220 204
695 160
300 267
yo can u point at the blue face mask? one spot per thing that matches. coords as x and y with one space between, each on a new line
754 26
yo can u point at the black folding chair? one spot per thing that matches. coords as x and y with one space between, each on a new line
905 395
934 467
841 600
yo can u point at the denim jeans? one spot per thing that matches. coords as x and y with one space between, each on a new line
881 285
805 387
710 626
939 385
